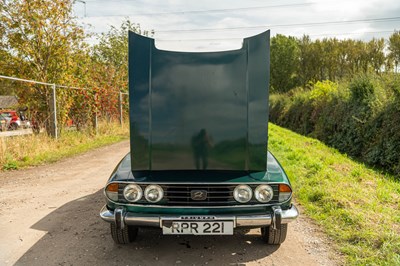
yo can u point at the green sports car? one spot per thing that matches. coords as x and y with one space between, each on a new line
199 162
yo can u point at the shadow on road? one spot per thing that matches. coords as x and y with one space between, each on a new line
77 236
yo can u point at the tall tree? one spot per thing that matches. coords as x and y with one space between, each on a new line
394 49
112 51
310 60
375 52
42 36
331 62
284 63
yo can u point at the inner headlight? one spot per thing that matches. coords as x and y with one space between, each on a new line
133 193
242 193
153 193
264 193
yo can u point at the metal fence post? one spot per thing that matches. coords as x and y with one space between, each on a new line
121 119
94 114
53 117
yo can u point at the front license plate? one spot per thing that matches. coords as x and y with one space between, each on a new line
197 228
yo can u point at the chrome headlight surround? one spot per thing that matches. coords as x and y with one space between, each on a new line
264 193
243 193
133 193
153 193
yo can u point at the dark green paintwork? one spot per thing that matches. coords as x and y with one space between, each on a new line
190 108
274 174
198 111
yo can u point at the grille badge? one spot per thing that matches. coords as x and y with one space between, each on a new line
198 194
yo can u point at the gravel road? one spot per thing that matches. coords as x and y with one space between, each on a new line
50 216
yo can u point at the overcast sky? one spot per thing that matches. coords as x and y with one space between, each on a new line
202 25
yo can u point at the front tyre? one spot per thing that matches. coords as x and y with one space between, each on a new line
274 237
123 236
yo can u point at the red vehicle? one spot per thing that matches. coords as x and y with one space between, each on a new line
15 121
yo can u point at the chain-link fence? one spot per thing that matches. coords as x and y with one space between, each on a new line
29 106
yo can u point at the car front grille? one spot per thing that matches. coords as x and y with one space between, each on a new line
216 195
181 195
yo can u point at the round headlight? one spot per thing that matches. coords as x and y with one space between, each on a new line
153 193
133 193
242 193
264 193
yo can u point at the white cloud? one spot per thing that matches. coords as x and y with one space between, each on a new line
102 14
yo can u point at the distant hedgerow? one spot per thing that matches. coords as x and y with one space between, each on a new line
360 117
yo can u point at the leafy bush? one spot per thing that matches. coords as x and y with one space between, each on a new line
361 88
360 118
323 89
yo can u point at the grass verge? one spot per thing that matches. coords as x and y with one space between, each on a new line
359 208
29 150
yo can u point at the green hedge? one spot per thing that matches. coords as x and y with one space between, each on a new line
360 117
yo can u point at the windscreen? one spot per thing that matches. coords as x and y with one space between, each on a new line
199 111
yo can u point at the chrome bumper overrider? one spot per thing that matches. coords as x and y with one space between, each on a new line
122 217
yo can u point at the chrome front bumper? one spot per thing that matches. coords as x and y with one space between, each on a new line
122 218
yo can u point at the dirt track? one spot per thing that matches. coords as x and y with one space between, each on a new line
49 216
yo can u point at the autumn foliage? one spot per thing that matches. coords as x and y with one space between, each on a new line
41 40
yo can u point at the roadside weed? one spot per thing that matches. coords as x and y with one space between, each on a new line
29 150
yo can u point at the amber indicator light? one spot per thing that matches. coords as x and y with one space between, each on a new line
112 187
284 188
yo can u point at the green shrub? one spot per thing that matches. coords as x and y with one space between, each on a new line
360 118
323 90
393 85
361 88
